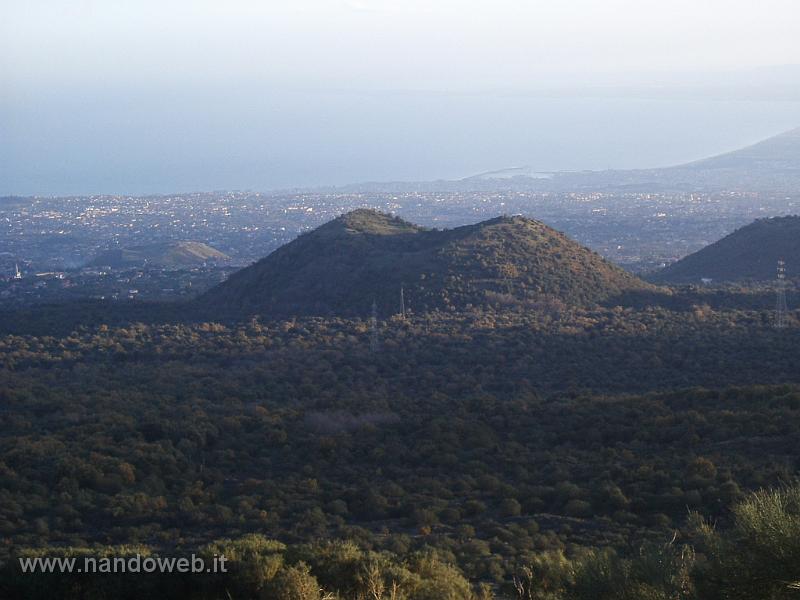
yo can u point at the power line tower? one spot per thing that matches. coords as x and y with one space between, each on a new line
374 343
781 311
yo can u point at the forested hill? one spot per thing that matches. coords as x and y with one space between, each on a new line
341 267
751 252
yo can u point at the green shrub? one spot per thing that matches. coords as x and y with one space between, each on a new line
759 557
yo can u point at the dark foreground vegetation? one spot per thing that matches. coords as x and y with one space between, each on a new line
757 557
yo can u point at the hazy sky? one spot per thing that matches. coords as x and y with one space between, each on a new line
140 95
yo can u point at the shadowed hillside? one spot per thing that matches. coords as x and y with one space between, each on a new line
341 267
751 252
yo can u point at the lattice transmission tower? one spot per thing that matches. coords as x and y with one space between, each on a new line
781 311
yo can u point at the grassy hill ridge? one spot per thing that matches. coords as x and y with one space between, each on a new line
165 254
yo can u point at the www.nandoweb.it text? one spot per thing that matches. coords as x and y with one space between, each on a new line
124 564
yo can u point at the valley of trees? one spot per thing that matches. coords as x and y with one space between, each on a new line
553 452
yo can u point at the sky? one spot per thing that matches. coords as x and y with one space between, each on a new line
145 96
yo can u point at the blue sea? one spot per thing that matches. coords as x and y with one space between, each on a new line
190 140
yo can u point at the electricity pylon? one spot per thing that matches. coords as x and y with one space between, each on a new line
781 311
374 343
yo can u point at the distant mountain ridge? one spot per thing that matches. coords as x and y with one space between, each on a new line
342 266
163 254
770 165
779 153
749 253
